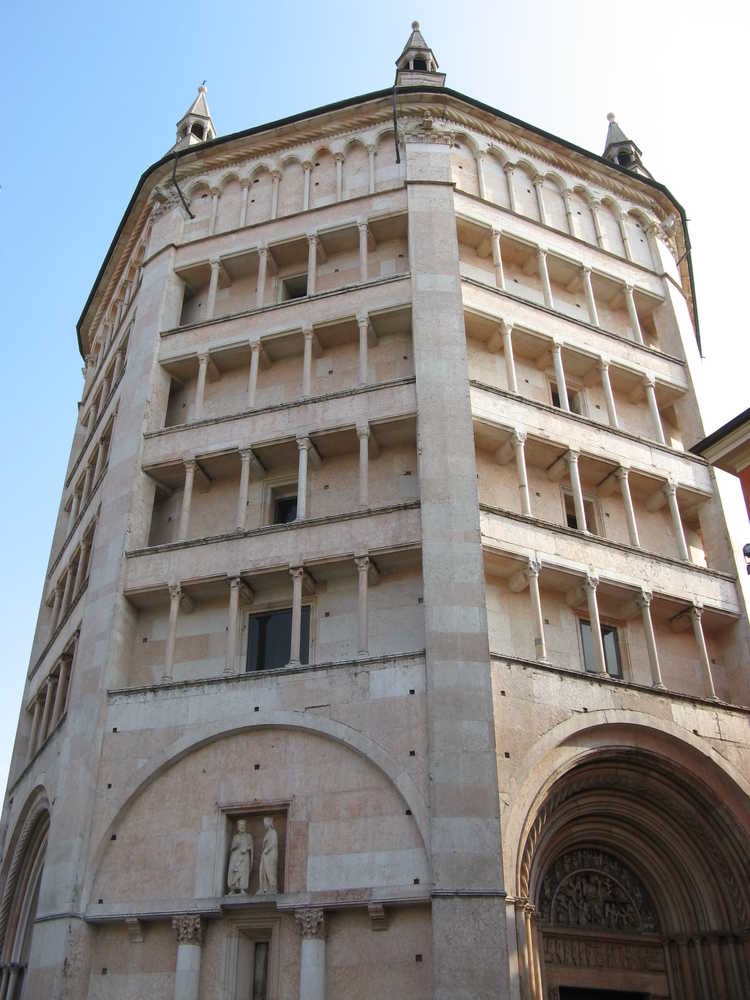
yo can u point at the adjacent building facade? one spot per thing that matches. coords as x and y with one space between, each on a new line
391 643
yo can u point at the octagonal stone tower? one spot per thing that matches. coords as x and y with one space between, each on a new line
391 642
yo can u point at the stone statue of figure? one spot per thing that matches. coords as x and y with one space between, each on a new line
269 859
240 860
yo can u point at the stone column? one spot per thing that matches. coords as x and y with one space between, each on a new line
363 568
252 382
260 290
214 209
46 711
572 228
61 690
187 496
625 236
363 433
590 300
633 315
312 266
12 981
213 287
73 512
696 617
608 394
510 361
508 170
200 385
68 592
175 596
371 168
245 457
187 974
56 606
363 324
538 183
594 205
297 574
643 600
649 386
235 584
544 276
621 474
117 367
589 585
479 160
562 387
303 445
35 718
275 181
307 333
83 559
532 571
518 439
497 259
339 159
670 491
575 482
312 973
245 184
307 167
363 234
88 482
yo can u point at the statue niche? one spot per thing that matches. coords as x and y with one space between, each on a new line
254 863
588 889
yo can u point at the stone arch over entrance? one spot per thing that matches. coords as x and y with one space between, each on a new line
21 879
633 877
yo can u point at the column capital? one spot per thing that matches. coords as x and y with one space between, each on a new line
541 253
586 270
338 157
670 488
363 430
557 344
362 224
572 455
644 598
307 331
509 167
215 263
262 248
214 192
534 566
304 443
311 923
188 928
538 180
628 287
518 438
246 454
362 563
621 472
245 182
276 175
203 357
190 463
506 328
363 319
312 239
496 232
297 572
591 581
696 611
307 164
603 362
175 591
372 148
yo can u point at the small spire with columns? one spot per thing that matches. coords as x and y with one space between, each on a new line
417 64
621 150
196 125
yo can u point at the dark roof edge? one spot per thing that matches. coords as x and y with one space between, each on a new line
717 435
374 96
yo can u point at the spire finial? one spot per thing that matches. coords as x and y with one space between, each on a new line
415 25
417 64
611 116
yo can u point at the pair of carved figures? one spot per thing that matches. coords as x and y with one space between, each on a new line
241 860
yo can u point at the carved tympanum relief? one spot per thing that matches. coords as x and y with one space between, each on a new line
590 889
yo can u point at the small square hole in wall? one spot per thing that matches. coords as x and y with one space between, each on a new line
326 614
417 958
256 767
506 755
412 753
416 881
257 708
411 691
407 812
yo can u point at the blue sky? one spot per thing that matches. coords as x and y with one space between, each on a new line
92 95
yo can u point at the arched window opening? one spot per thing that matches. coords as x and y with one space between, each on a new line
197 130
420 64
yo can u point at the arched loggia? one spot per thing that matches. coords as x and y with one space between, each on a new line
633 877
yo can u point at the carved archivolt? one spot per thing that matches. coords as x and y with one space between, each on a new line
588 888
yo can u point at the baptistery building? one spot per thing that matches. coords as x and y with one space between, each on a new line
391 643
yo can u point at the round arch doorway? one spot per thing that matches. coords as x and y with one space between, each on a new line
637 883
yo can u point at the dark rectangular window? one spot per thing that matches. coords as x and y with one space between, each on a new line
270 639
285 510
571 518
294 288
612 659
